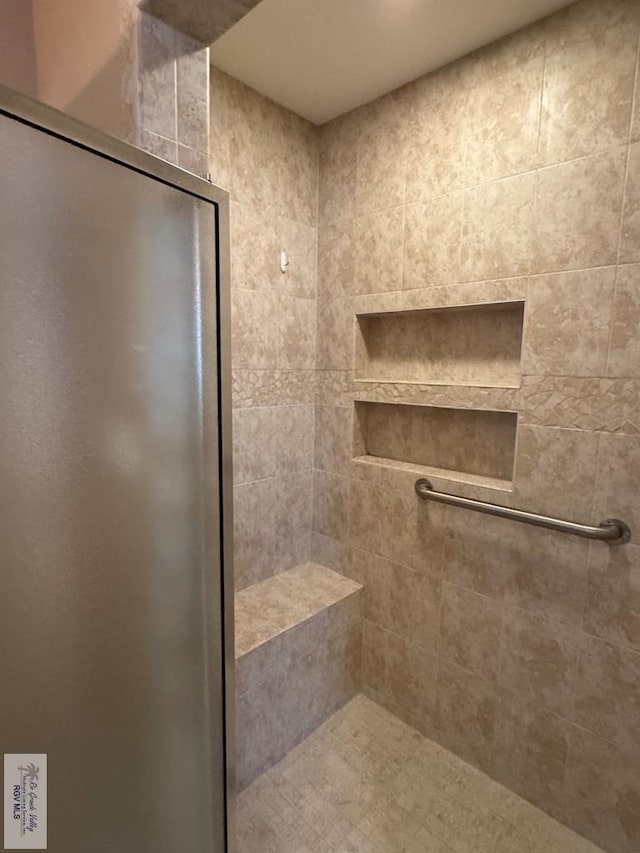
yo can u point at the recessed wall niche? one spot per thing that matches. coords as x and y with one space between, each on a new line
455 442
462 345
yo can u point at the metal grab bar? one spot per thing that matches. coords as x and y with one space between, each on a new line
611 530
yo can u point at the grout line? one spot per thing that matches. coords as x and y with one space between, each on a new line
625 186
540 113
628 150
461 230
404 243
175 87
576 663
512 280
499 686
464 188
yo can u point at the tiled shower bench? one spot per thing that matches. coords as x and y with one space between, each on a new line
298 649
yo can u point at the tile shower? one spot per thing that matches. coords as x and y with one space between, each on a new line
462 303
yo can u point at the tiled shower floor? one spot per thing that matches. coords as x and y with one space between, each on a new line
364 782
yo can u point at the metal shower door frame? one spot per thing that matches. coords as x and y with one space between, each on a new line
219 609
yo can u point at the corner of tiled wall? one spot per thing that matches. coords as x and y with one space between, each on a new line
266 157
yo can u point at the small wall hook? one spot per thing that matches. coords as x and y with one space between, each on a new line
284 262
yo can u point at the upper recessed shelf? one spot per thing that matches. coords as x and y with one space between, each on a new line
464 345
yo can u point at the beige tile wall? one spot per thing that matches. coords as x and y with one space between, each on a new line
173 95
268 160
513 173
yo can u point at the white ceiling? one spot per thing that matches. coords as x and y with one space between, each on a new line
321 58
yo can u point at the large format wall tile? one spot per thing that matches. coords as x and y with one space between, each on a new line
166 149
591 19
373 657
503 121
476 552
618 484
576 219
409 678
608 691
295 321
296 156
293 438
530 750
567 456
300 241
254 444
401 600
193 160
336 259
333 439
328 552
294 502
624 349
549 573
567 323
254 248
588 92
601 799
370 518
470 630
414 605
192 94
158 78
432 242
436 134
245 141
496 231
539 661
381 154
330 504
338 164
392 523
379 240
612 605
335 326
254 531
466 713
630 243
254 331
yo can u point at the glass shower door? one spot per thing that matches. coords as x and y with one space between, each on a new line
111 642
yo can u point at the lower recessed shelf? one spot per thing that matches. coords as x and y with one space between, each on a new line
476 447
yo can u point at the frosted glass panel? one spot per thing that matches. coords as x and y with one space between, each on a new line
102 522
